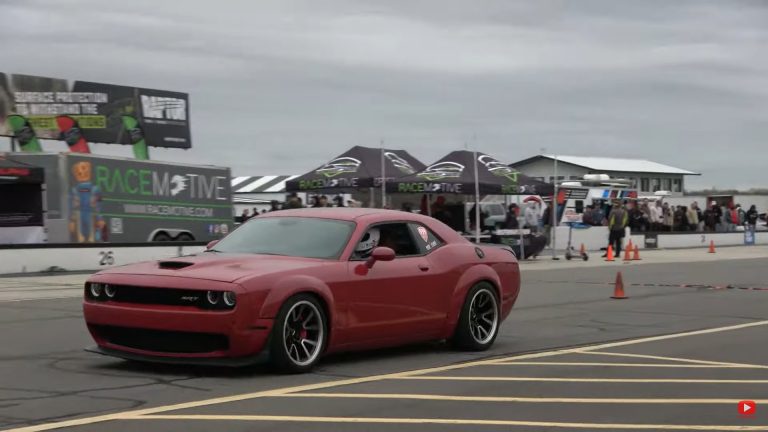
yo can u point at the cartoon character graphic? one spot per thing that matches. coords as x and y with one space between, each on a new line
86 224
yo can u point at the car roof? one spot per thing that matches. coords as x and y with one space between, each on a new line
345 213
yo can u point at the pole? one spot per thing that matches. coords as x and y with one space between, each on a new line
477 201
383 178
554 216
520 231
13 144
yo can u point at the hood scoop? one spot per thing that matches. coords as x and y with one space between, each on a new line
174 265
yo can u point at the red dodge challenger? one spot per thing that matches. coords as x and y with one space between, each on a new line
294 285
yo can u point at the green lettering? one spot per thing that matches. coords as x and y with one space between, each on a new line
102 178
145 181
117 180
128 174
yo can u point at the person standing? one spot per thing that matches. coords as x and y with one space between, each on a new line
617 223
657 216
668 217
751 217
693 218
531 217
712 217
511 222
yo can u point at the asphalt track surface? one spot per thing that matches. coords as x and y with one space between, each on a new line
677 355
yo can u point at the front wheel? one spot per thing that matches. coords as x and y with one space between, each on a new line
479 321
299 335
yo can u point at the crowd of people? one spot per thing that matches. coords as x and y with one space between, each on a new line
293 201
644 216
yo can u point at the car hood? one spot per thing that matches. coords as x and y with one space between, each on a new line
221 267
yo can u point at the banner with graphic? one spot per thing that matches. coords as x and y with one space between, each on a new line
97 110
359 167
455 174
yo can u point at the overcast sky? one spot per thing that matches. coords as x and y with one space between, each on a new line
278 87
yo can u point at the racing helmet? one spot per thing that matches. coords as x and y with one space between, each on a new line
369 241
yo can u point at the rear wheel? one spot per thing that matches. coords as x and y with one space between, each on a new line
185 237
299 335
161 237
479 320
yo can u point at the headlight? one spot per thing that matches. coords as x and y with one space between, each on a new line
110 290
213 297
230 298
95 289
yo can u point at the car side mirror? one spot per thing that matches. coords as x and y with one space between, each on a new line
210 245
380 254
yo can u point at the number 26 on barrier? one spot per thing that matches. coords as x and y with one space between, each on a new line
107 258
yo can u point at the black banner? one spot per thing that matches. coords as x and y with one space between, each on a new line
97 108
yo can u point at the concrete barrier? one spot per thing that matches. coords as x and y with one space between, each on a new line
89 258
595 238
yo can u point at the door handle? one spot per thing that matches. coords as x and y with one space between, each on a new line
423 267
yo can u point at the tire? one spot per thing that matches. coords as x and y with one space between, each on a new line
299 322
184 237
161 237
468 335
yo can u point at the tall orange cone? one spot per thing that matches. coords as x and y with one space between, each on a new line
609 253
582 250
618 289
711 246
628 252
636 256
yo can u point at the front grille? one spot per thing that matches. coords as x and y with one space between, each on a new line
159 296
163 340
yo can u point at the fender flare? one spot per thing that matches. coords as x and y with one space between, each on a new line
292 285
470 277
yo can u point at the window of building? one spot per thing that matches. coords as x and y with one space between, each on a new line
655 184
666 184
645 184
677 185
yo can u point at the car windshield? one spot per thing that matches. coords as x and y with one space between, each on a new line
289 236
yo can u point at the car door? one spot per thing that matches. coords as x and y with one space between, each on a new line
395 300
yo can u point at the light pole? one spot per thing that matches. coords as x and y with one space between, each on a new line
554 215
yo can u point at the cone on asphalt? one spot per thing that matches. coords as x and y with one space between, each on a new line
582 250
609 253
628 252
618 289
636 256
711 246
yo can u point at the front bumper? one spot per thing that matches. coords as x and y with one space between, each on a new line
213 361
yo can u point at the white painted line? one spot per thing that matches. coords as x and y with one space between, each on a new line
470 422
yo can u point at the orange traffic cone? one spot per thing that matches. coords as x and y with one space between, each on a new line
711 246
618 289
582 250
609 253
636 256
628 252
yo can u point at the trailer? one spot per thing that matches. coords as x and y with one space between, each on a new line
100 199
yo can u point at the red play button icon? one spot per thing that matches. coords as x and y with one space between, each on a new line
747 408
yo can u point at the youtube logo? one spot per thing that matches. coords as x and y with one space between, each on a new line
747 408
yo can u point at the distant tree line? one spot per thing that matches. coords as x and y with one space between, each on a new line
714 191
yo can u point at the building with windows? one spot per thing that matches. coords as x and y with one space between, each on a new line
646 176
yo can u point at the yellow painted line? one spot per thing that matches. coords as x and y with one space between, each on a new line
453 398
685 360
470 422
659 365
329 384
584 380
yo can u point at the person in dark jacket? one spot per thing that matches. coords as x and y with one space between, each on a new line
618 220
511 222
751 217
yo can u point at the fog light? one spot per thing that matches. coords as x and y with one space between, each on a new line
110 291
213 297
96 290
230 298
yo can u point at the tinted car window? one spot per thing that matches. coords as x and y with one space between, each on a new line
396 236
290 236
425 238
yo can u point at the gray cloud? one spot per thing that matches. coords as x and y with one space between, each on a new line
280 86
